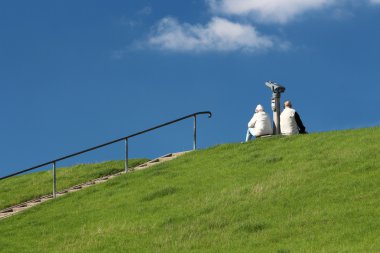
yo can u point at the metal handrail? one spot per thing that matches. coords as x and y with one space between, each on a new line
194 115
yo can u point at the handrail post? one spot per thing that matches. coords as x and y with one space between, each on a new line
54 180
126 155
195 133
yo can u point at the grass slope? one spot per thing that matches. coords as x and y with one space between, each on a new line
320 193
18 189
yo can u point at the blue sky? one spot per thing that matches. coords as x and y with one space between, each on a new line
74 74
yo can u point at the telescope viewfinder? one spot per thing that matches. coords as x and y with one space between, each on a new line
275 87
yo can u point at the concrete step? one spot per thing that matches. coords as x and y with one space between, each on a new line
28 204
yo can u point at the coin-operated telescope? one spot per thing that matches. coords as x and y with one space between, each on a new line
276 89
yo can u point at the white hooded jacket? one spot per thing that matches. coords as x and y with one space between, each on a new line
261 124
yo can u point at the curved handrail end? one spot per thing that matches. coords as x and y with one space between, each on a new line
204 112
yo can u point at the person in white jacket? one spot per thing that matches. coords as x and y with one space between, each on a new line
290 121
259 125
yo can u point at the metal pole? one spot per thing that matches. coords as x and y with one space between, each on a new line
276 113
126 155
54 180
195 133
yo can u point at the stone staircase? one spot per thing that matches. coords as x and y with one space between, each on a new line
28 204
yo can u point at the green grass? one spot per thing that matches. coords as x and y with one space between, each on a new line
18 189
319 193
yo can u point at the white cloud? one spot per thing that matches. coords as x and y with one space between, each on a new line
137 19
271 11
218 35
147 10
342 14
222 34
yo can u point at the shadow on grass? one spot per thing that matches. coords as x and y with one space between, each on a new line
160 193
253 228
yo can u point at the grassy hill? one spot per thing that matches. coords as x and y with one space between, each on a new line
306 193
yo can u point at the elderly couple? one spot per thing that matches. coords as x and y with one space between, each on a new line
260 124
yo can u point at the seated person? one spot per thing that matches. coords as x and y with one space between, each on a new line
290 121
259 125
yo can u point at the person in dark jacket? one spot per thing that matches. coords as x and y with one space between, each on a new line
290 121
